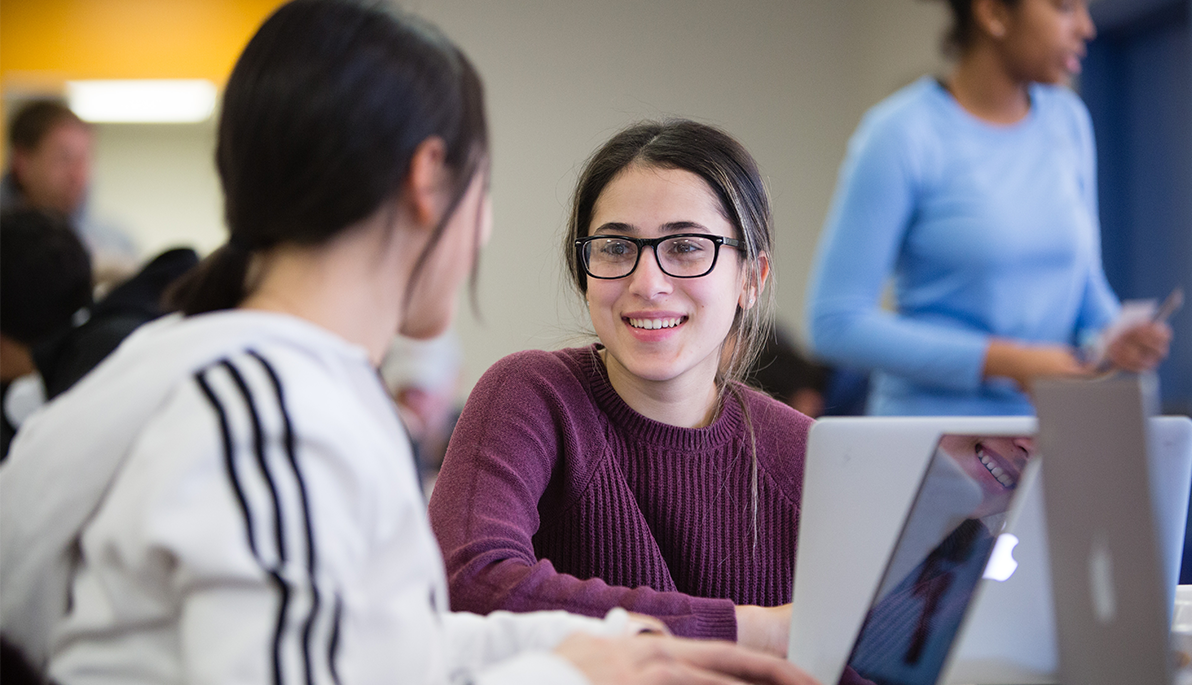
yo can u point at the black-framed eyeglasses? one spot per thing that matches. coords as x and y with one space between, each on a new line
684 255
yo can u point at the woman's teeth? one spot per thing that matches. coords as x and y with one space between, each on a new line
998 472
655 324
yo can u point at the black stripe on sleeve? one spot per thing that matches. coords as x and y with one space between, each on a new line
226 434
311 564
274 571
272 568
291 454
333 644
289 576
258 441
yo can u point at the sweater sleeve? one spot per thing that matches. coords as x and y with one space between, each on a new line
515 429
873 207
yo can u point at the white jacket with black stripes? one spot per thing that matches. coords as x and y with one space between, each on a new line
230 498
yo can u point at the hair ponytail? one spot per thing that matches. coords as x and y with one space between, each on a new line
218 282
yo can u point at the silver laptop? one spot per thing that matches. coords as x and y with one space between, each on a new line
1113 610
861 477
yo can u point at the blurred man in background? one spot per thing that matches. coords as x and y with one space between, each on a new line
50 151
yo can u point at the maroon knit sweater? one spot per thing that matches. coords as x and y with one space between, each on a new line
556 495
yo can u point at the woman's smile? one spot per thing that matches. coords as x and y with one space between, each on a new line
653 326
648 323
1002 470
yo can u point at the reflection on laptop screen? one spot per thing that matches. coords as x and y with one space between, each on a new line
937 563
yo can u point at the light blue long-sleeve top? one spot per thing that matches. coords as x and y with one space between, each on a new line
988 231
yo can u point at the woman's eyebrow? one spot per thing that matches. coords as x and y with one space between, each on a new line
615 227
683 227
621 228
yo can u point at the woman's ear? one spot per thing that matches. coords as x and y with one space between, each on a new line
427 180
992 17
755 282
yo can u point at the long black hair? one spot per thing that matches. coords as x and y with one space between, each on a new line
321 117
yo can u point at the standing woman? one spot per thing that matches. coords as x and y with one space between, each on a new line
978 194
230 497
639 471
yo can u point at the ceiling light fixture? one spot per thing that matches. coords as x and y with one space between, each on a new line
143 101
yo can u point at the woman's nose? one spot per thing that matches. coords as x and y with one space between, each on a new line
648 280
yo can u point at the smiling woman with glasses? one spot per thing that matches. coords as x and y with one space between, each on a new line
640 471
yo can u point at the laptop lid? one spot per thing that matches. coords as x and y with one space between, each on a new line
955 523
1112 610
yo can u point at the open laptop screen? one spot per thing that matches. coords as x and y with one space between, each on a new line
938 560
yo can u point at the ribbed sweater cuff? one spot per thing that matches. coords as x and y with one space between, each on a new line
715 619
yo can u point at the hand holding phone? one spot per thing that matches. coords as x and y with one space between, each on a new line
1172 304
1140 339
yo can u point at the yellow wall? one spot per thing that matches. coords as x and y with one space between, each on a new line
45 42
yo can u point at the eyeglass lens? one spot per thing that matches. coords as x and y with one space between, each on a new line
683 256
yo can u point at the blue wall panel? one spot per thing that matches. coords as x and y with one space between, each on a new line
1138 86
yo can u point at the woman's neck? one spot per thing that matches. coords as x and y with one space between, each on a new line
349 286
983 85
689 401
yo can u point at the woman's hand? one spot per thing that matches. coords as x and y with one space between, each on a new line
766 629
1023 363
1141 347
660 660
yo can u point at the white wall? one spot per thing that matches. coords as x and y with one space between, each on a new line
158 183
789 78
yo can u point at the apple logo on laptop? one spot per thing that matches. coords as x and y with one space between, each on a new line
1001 562
1101 580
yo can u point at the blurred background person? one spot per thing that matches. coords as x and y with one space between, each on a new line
783 372
50 152
45 281
978 193
423 378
